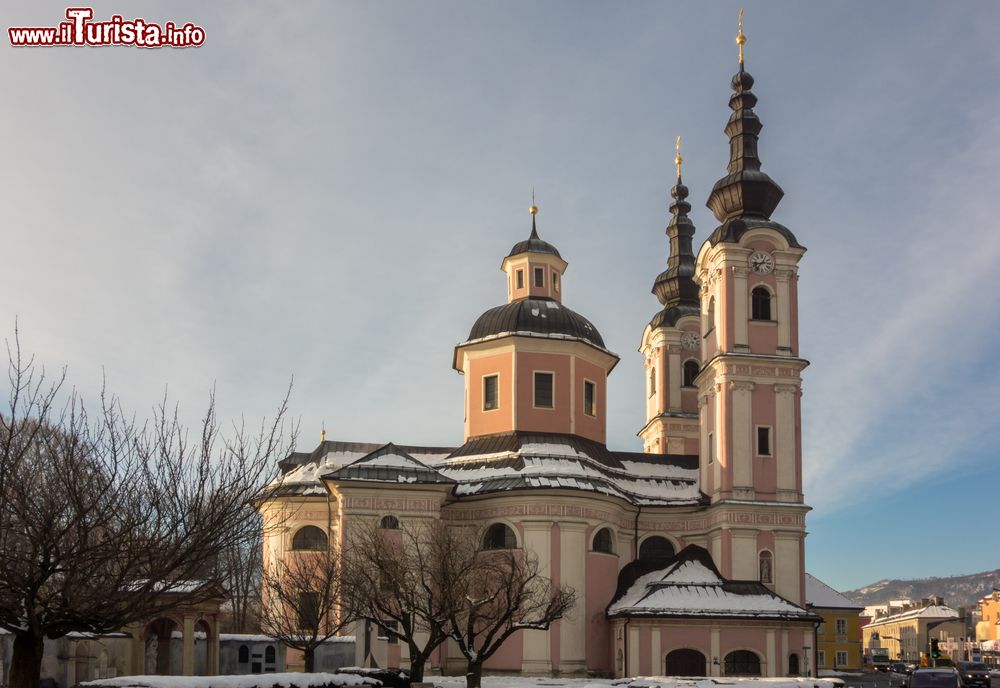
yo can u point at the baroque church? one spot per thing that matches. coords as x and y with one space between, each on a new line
688 557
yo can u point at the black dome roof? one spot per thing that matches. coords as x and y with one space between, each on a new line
543 317
534 244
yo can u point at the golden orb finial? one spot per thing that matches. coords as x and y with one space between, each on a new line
534 208
677 158
741 39
322 432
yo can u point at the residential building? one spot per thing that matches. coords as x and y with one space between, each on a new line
838 637
907 633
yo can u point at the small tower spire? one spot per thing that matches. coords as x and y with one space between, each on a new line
533 209
322 432
741 39
678 160
674 286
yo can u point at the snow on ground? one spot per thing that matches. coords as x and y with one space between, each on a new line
639 682
286 680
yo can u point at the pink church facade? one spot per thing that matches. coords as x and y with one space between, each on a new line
688 557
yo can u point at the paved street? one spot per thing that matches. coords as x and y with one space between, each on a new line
874 680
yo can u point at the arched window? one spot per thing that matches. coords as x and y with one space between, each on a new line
244 655
652 381
656 548
793 664
742 663
760 304
691 369
499 536
765 563
310 538
710 316
269 655
389 523
604 542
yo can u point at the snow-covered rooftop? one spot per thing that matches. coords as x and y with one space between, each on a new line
934 611
690 586
819 594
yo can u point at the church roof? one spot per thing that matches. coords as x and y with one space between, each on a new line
388 464
535 317
533 244
690 586
524 460
498 463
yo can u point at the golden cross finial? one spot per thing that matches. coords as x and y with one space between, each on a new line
677 158
740 38
534 208
322 432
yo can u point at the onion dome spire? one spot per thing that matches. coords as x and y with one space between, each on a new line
746 195
675 286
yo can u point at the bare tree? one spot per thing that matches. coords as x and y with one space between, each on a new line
504 592
401 580
303 600
101 514
240 572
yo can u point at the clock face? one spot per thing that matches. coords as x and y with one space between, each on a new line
690 340
761 262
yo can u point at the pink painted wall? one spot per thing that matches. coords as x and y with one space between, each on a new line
556 419
482 422
765 474
591 427
602 576
763 335
694 638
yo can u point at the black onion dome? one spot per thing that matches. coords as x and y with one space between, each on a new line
675 286
746 196
540 317
533 244
669 316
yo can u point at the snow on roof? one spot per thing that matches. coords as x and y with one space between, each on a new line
689 585
819 594
934 611
641 682
288 680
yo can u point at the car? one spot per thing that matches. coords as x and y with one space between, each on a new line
935 678
974 674
900 668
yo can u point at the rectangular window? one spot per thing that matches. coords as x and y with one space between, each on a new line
821 658
652 381
490 400
519 275
763 441
539 277
555 280
821 630
841 626
308 604
389 634
543 390
589 398
841 658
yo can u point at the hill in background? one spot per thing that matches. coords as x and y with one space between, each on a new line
957 591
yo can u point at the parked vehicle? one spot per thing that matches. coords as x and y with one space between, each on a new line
975 674
900 668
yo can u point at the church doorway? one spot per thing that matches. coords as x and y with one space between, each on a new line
686 663
793 664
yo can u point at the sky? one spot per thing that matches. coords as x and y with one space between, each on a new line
322 193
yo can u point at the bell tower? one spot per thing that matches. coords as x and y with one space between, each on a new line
750 386
671 342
